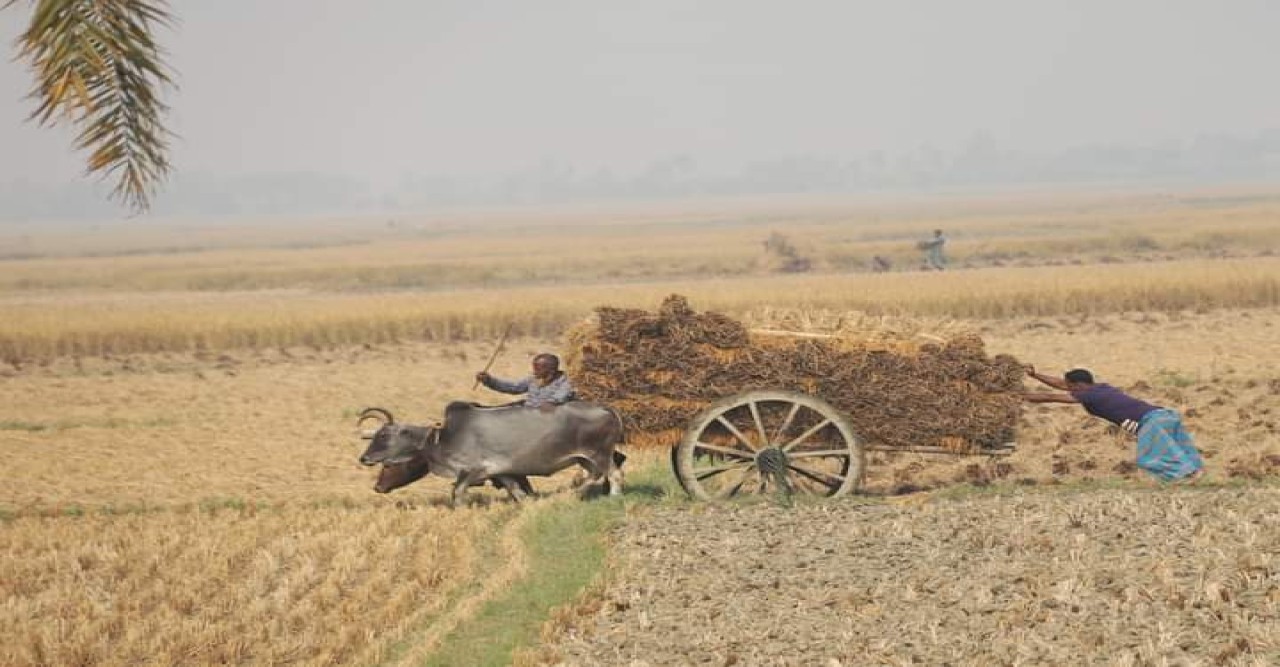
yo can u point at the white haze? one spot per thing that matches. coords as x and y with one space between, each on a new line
393 95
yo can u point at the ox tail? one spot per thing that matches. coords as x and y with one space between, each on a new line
618 457
613 478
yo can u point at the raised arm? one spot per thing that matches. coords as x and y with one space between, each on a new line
505 386
1055 382
1046 397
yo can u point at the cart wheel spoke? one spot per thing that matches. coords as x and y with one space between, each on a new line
732 490
707 473
786 423
726 451
829 480
755 417
736 433
806 435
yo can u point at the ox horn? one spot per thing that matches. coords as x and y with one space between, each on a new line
376 414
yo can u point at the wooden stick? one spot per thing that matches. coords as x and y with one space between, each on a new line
794 334
494 357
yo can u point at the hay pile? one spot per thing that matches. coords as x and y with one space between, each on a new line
660 369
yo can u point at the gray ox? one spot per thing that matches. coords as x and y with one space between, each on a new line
504 444
395 475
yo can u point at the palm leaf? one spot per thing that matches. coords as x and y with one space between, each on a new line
97 65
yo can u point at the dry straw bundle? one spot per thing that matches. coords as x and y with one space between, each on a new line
660 369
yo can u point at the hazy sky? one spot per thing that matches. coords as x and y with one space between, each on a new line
381 88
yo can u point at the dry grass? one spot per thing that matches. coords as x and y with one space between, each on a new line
49 325
169 429
158 498
178 481
184 511
323 283
293 584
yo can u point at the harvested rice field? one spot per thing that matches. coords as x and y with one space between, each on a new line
156 471
1184 576
169 499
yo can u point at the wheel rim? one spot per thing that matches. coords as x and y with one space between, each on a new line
761 441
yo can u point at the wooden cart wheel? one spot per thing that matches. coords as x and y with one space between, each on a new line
758 440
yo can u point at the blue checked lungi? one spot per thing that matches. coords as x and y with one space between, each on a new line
1165 449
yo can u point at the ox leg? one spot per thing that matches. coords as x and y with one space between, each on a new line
517 487
613 480
465 479
597 470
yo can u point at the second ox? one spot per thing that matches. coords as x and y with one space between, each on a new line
503 444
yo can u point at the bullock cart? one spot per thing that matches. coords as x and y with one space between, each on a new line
781 441
754 410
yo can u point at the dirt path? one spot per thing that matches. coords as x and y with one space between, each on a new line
1127 577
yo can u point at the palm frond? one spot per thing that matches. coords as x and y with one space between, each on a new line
98 66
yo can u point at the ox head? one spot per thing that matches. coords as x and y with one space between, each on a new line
391 443
395 475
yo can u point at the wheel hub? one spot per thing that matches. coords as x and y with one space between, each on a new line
772 461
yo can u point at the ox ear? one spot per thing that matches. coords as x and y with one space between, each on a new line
367 434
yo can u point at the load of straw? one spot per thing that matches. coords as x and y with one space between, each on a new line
659 370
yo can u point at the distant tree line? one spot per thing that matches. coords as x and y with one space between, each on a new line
981 162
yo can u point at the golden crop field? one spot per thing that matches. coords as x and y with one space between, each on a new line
180 287
177 405
49 325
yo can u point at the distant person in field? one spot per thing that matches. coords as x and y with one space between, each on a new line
933 257
1165 448
546 388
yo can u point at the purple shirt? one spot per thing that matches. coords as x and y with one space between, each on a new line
1113 405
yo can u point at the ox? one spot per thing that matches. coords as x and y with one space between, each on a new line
503 444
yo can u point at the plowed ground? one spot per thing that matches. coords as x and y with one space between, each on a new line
1114 576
